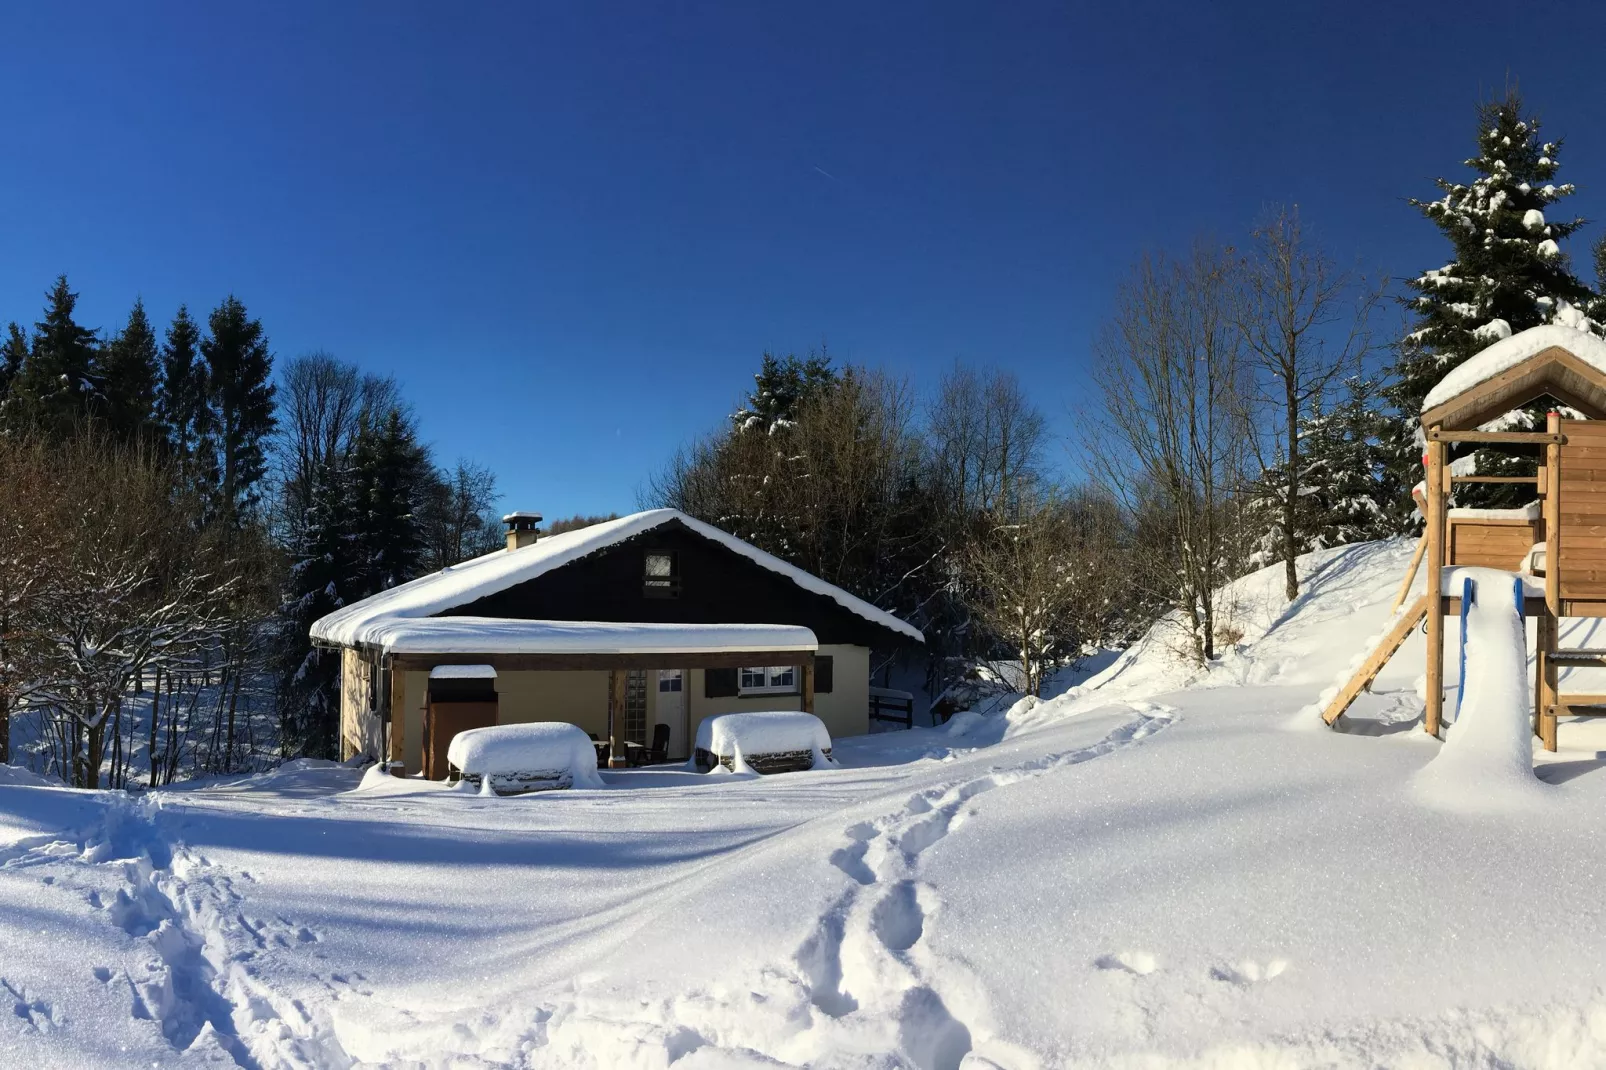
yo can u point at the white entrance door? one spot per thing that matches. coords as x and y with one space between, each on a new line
672 709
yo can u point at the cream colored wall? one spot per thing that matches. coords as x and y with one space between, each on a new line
414 698
845 710
361 730
580 698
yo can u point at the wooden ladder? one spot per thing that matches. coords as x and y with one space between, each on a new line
1380 657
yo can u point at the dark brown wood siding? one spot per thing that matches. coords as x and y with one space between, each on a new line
717 586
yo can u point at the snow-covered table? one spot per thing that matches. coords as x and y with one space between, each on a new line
768 741
509 759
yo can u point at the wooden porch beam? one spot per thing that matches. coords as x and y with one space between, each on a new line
719 659
1510 438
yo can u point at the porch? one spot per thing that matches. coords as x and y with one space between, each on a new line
618 682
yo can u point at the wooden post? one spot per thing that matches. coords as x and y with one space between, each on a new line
1410 573
1546 669
808 684
1435 585
1362 680
398 714
616 717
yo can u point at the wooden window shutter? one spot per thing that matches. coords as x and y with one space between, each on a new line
719 683
822 674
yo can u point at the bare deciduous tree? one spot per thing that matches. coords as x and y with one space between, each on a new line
1304 326
1169 441
457 515
131 584
1044 577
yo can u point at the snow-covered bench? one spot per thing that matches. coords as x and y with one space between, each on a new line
508 759
778 741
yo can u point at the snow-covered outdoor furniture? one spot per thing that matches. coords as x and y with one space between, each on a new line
771 741
509 759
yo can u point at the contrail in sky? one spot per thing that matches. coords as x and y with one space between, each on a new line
824 172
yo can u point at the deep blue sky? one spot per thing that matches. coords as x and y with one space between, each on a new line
570 230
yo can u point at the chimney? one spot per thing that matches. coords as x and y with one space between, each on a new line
521 529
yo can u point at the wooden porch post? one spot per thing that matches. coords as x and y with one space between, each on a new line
398 713
616 716
1549 636
808 684
1435 585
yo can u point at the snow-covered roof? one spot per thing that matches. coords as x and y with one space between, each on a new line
1531 511
502 635
1509 352
362 622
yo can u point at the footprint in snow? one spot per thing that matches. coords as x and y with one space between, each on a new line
1137 963
1248 972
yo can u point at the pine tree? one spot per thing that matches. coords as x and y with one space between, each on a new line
129 377
13 354
1350 489
180 400
390 473
57 383
324 575
1508 273
1344 488
780 387
1597 306
239 408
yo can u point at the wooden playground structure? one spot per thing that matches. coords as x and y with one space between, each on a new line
1558 544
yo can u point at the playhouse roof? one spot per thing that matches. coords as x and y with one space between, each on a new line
366 623
1554 360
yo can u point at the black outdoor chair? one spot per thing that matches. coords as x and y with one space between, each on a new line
657 754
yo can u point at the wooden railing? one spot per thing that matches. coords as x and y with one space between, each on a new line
895 706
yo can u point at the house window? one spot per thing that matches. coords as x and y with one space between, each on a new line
661 575
769 680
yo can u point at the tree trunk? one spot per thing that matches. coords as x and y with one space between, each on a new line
156 718
114 778
234 700
95 752
1291 502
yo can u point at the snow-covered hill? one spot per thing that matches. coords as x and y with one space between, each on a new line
1150 870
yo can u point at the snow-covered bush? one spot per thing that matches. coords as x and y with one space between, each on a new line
507 759
773 741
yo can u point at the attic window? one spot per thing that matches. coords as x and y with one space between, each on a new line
661 575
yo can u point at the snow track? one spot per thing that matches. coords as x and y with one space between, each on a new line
866 961
192 971
862 987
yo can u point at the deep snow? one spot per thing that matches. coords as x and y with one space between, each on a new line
1163 867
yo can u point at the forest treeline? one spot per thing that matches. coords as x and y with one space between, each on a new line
174 512
1248 404
176 508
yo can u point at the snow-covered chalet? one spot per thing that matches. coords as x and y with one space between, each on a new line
654 619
